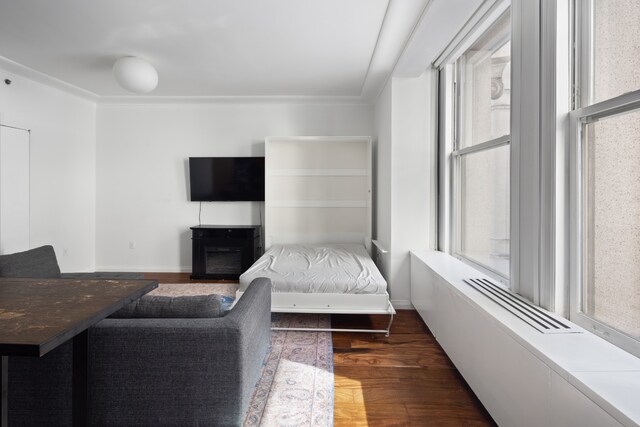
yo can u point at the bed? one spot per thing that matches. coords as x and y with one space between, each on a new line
317 220
322 278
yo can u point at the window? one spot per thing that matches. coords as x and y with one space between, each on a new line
605 277
478 146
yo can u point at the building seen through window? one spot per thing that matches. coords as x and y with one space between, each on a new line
608 289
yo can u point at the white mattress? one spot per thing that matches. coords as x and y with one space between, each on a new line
333 268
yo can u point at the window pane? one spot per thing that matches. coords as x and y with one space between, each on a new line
616 49
486 86
611 290
485 208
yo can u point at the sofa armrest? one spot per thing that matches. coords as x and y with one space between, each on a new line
181 371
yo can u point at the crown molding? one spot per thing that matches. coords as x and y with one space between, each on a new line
299 100
24 71
37 76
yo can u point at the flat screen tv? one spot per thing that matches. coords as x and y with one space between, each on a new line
226 179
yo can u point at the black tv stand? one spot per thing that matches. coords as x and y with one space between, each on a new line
223 252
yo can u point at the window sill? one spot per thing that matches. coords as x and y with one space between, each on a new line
606 374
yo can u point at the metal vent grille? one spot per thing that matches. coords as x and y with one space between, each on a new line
522 309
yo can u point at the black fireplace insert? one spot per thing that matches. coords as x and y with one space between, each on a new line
223 251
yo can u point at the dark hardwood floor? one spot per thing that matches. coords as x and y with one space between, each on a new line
405 379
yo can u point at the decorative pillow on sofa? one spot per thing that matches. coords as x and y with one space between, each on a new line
39 263
165 307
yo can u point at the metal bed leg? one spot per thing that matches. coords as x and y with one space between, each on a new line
389 326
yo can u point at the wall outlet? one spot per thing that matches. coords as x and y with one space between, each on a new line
132 245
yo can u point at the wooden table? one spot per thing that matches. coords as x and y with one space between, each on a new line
37 315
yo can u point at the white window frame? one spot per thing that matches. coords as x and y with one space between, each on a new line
450 153
457 155
579 118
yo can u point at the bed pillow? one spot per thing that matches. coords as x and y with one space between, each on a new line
38 263
165 307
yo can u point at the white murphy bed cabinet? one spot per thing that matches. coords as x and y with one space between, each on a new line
318 191
331 175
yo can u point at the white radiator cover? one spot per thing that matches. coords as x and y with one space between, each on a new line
503 361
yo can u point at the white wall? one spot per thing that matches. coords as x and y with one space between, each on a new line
413 169
382 170
14 190
62 169
142 174
405 125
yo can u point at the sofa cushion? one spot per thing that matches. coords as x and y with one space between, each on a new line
165 307
40 263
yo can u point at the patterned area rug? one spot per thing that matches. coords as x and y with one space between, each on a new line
296 386
178 289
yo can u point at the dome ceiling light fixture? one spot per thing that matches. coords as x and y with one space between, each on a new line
135 74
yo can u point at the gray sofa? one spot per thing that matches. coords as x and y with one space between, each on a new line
153 372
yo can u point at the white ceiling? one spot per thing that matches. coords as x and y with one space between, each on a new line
213 48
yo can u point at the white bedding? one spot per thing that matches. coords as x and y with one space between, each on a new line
333 268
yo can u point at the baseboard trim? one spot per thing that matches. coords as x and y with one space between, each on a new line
402 304
146 269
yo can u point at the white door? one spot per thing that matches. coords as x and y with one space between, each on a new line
14 190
